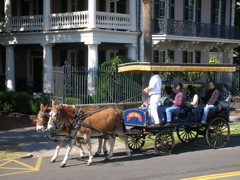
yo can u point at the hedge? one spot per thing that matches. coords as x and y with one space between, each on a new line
19 102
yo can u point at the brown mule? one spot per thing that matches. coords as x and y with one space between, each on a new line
41 125
92 123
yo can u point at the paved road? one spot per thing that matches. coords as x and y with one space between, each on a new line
186 161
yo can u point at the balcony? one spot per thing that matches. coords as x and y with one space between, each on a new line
183 28
73 20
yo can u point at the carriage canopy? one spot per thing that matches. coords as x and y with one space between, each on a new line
148 67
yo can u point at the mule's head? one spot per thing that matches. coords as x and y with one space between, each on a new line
54 117
42 118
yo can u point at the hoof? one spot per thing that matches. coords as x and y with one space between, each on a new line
62 165
105 153
106 160
130 157
89 163
96 154
52 160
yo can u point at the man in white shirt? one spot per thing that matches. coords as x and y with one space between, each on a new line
154 91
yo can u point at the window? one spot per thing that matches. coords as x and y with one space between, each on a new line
73 57
192 10
74 5
160 9
171 9
188 10
198 10
191 57
163 56
215 11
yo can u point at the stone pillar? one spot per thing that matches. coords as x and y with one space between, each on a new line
10 69
92 67
48 81
91 14
132 51
8 14
46 12
133 14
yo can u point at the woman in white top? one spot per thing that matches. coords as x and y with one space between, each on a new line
192 97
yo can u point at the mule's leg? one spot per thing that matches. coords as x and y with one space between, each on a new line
89 148
69 148
99 147
58 146
105 151
80 147
125 140
112 143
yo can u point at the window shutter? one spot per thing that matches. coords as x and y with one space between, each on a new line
184 56
197 56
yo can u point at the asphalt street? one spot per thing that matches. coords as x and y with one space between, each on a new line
186 161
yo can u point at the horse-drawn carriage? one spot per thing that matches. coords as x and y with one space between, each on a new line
133 125
186 123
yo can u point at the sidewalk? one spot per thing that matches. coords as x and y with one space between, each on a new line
37 145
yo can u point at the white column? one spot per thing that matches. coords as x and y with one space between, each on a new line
92 67
46 12
10 69
133 14
91 14
132 53
8 14
48 83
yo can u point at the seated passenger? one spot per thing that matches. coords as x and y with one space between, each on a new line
210 100
165 99
182 90
225 97
177 104
192 97
165 103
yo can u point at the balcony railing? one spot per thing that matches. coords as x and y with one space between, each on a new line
26 23
71 20
113 20
182 28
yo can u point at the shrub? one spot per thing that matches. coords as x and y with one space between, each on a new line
19 101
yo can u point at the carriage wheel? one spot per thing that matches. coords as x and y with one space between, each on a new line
164 142
218 132
187 134
136 142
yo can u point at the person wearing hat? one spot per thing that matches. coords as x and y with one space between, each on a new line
154 92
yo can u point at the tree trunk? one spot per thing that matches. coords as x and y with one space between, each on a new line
147 33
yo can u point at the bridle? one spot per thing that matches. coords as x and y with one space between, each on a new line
42 118
54 119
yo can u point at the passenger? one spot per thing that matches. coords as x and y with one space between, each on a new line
154 91
210 100
167 94
225 97
177 104
192 97
182 90
165 103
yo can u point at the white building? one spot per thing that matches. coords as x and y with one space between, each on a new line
39 34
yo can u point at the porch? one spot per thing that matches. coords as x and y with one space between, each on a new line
73 20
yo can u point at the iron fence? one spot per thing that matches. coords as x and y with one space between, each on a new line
72 84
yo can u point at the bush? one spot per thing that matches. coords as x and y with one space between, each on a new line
19 101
